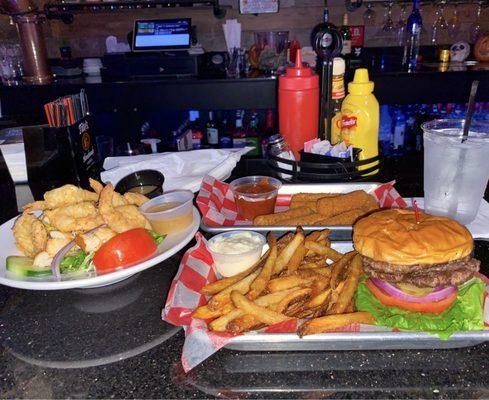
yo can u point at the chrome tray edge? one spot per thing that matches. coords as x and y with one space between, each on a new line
344 341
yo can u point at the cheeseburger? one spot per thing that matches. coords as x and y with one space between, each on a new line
414 263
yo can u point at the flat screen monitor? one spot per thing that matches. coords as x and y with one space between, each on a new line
161 34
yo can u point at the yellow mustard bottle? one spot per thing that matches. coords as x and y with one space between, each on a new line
360 117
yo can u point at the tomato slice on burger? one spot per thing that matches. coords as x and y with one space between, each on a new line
124 249
429 307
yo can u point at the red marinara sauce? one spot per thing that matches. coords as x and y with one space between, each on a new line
254 199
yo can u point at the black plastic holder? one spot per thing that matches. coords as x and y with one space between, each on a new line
333 169
59 155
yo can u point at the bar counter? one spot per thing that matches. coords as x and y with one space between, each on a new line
111 342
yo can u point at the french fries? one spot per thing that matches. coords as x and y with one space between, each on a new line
349 287
339 265
262 314
243 323
221 323
287 282
242 286
221 284
287 253
292 280
323 250
291 298
329 322
260 283
296 259
204 312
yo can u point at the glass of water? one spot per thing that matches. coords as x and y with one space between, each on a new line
455 172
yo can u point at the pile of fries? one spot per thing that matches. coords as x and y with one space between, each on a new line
322 209
299 277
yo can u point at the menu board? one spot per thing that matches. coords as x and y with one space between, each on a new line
258 6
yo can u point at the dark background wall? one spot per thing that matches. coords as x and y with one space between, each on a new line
87 34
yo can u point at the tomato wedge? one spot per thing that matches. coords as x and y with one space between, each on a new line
430 308
124 249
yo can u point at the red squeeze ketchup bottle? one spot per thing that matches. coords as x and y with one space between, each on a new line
298 105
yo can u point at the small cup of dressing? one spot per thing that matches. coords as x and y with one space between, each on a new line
235 251
170 212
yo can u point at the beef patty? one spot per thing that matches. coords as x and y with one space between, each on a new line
424 275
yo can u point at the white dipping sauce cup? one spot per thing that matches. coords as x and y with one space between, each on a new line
229 264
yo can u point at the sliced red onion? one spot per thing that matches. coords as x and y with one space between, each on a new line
437 295
62 253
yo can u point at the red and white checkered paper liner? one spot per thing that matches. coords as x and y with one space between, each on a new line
196 270
218 208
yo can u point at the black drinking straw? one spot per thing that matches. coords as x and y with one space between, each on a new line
470 110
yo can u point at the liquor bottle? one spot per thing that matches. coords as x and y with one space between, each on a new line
413 34
197 135
212 131
346 36
410 134
337 95
398 132
239 134
225 139
269 131
385 128
253 136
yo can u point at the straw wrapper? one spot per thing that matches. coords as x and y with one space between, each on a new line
216 202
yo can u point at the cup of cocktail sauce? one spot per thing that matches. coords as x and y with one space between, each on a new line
255 195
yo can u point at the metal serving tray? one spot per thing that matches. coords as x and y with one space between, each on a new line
354 341
375 339
338 232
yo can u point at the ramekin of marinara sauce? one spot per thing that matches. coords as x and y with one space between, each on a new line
255 195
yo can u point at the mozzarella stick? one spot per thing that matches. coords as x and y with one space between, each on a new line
346 218
299 203
370 204
279 218
312 196
306 220
340 204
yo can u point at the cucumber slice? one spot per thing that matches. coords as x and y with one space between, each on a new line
23 266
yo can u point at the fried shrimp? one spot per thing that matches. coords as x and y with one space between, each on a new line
122 218
79 217
61 197
118 199
95 185
55 243
137 199
30 234
93 241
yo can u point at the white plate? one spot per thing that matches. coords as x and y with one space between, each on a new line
171 245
